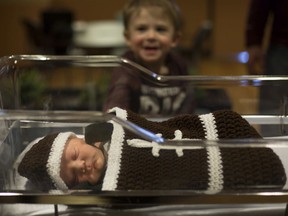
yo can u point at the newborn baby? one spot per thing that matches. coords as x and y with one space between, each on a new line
113 158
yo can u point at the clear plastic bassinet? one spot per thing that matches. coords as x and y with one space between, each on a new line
44 94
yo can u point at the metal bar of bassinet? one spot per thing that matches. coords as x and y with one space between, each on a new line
144 133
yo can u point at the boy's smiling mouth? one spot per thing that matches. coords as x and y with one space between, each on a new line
151 49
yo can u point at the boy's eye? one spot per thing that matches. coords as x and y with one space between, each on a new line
141 28
161 29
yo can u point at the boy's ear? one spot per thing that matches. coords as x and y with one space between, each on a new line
176 38
127 37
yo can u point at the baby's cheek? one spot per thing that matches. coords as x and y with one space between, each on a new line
93 178
83 179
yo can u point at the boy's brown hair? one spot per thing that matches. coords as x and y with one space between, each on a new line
169 7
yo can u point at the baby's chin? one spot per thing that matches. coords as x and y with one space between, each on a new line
93 180
97 175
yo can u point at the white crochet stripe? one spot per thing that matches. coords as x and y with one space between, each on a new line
215 170
209 126
54 159
215 167
115 153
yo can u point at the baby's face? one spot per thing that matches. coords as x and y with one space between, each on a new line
81 163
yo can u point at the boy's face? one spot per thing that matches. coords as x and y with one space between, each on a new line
151 35
81 163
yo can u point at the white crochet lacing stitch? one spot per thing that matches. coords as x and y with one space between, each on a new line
156 147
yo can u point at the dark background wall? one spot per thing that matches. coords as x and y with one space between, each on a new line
228 19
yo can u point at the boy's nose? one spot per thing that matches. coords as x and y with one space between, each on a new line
151 34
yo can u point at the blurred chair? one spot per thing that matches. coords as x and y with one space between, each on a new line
198 47
54 34
103 37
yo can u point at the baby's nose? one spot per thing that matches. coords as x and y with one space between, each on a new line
81 167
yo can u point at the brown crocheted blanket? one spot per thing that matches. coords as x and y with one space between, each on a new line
137 164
